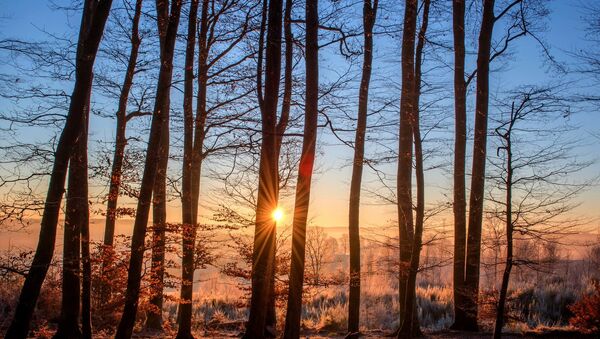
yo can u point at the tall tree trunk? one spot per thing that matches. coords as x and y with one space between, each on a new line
118 157
159 224
509 231
93 20
86 263
404 177
460 145
121 139
188 198
473 253
76 216
305 171
168 22
369 16
410 326
265 232
86 282
271 323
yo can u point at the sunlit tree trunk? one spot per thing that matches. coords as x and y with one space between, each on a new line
404 175
369 15
305 171
168 21
264 233
473 254
93 21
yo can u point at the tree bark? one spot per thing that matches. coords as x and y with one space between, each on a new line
410 326
473 254
86 263
509 231
159 224
305 171
76 218
369 16
121 139
168 22
265 232
93 21
271 323
460 145
189 195
119 154
404 175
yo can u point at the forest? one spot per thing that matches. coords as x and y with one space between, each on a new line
286 169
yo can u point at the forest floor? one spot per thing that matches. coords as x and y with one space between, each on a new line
446 334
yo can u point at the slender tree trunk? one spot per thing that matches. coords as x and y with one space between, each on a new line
76 217
369 16
86 263
121 139
188 198
411 328
473 254
119 155
460 145
305 171
265 232
168 22
404 177
509 233
159 224
93 20
271 324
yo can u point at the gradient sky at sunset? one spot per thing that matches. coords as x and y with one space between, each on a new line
27 19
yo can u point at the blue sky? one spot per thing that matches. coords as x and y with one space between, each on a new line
26 19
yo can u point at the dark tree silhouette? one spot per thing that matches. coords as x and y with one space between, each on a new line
168 22
305 171
534 189
122 119
460 147
76 218
473 250
264 233
410 326
94 16
369 17
404 174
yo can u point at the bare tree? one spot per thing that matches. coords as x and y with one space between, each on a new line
305 172
168 22
122 119
94 16
405 153
521 16
76 220
533 176
264 233
369 17
410 326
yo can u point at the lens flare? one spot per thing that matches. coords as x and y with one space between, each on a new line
278 214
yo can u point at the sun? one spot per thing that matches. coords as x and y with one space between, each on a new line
277 214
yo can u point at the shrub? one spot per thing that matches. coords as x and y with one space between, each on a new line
586 311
